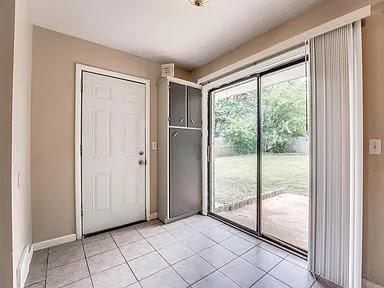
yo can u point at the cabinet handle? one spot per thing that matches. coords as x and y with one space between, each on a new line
175 134
193 122
181 120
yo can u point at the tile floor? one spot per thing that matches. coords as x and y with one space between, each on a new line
195 252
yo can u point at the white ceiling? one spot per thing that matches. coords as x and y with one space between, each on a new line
167 30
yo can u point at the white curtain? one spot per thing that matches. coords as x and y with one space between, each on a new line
336 185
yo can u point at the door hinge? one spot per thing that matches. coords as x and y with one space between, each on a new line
81 150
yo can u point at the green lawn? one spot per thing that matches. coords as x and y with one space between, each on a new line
235 176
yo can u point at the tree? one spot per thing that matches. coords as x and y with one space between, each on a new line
284 116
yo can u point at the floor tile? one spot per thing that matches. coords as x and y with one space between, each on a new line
161 240
298 261
37 273
64 257
117 277
37 285
199 242
322 283
67 274
136 249
135 285
183 233
126 237
104 261
39 257
229 228
217 256
85 283
275 250
193 219
242 272
98 247
293 275
174 225
193 269
65 246
215 280
204 224
237 245
217 234
175 253
262 258
249 238
147 265
166 278
269 282
97 237
151 230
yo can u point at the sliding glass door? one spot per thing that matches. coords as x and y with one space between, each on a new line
285 156
233 170
259 154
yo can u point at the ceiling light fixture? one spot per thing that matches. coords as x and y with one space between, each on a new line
198 3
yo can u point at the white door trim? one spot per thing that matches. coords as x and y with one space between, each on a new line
78 112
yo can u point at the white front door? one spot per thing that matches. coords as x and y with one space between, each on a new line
113 152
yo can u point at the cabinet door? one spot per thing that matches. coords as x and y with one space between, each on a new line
185 171
194 107
177 104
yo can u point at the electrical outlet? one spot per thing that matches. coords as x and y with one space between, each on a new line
155 145
375 146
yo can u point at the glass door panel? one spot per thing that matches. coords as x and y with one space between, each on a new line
285 156
233 142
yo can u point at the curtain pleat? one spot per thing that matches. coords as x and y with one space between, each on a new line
331 74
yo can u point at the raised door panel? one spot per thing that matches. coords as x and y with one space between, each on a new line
185 171
194 107
177 104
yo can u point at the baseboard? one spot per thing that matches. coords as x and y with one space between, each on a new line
23 267
369 284
153 216
54 242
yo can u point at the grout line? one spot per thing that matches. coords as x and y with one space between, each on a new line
86 261
199 232
125 260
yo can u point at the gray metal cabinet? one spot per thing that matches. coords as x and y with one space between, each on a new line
179 173
177 104
194 107
185 171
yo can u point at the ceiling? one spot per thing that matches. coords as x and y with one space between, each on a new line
167 30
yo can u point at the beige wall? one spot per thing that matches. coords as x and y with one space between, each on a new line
373 63
7 13
314 17
21 136
53 114
373 68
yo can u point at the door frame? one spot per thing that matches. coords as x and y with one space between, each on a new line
258 72
80 68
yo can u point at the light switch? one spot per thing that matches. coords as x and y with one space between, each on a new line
155 145
374 146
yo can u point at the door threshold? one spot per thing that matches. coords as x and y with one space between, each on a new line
113 228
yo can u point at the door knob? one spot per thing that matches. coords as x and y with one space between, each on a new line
141 162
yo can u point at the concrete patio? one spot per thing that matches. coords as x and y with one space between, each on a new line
284 216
